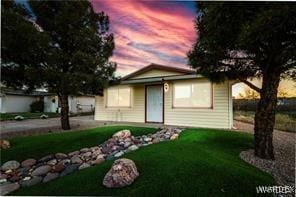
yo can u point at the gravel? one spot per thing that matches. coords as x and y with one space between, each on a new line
283 167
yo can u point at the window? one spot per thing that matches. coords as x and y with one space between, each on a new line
118 97
193 95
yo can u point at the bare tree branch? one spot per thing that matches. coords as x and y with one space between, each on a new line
250 85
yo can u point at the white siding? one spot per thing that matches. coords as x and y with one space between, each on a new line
16 103
49 106
217 117
135 113
87 103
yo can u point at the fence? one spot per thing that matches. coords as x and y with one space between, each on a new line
283 104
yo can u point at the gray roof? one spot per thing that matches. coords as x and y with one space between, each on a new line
160 79
24 93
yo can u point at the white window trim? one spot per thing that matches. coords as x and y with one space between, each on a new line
119 106
188 107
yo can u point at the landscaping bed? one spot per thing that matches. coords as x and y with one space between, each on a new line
201 162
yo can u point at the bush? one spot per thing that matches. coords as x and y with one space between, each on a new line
43 116
37 106
19 118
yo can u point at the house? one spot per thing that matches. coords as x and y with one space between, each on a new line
12 101
167 95
19 100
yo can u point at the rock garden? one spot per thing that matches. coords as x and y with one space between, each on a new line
30 172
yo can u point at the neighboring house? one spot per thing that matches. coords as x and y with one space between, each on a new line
19 101
167 95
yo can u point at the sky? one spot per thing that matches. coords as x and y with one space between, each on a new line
147 32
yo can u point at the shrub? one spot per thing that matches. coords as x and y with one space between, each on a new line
19 118
37 106
43 116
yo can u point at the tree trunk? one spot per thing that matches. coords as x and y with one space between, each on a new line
64 112
265 116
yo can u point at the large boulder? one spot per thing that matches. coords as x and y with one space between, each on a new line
122 173
122 134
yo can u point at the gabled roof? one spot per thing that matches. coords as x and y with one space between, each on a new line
159 67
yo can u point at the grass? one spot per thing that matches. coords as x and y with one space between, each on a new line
42 145
283 121
27 115
202 162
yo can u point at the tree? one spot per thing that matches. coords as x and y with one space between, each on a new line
245 40
65 48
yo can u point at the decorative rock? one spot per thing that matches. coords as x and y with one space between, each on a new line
122 134
147 139
46 158
73 153
84 150
31 182
97 161
61 155
76 159
50 176
28 162
84 165
52 162
119 154
133 147
10 165
3 176
8 171
96 153
7 188
14 178
87 154
69 169
42 170
4 144
59 167
94 148
122 173
174 136
23 170
65 161
26 178
3 181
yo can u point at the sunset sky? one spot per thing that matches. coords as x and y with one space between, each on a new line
156 32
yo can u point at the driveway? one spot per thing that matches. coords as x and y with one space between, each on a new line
37 126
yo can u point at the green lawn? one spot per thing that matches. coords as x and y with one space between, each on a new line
202 162
283 121
27 115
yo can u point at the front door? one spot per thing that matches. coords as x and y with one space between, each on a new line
154 103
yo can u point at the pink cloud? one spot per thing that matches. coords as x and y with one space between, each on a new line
146 32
